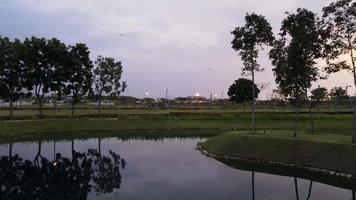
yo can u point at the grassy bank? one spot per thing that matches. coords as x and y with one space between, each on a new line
329 151
18 128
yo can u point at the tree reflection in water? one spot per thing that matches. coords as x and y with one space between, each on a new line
61 178
253 167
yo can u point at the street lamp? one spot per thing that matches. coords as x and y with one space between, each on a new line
166 90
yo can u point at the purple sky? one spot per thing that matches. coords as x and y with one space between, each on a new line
180 44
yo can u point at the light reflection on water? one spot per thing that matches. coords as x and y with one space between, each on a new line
171 169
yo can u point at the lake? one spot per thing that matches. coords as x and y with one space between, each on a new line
113 168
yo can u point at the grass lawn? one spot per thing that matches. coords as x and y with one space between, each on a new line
329 151
10 129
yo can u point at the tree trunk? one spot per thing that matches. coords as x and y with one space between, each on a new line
296 120
40 112
55 109
72 108
354 125
244 106
311 119
10 150
253 103
99 106
296 187
54 149
310 189
353 63
36 161
11 114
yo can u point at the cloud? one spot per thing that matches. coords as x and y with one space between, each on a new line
160 42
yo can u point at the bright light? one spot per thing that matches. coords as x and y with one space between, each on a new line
197 94
147 93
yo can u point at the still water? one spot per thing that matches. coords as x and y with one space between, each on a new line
112 168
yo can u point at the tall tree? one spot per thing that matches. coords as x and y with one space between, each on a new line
39 69
294 55
57 55
107 75
12 73
79 80
248 40
340 18
241 92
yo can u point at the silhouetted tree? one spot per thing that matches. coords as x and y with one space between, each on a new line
79 80
107 75
338 93
57 55
319 95
248 39
294 55
340 18
12 73
39 68
241 91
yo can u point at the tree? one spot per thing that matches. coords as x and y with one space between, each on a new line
338 93
107 75
57 54
248 40
241 92
294 55
79 74
11 72
39 69
319 95
340 18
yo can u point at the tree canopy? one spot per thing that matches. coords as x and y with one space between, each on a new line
241 91
319 94
249 38
107 75
340 18
294 54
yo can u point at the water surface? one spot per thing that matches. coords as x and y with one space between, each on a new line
112 168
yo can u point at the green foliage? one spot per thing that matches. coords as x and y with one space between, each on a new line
294 54
319 94
241 91
256 33
79 80
340 18
12 75
338 93
107 75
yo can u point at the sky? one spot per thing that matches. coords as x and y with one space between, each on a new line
183 45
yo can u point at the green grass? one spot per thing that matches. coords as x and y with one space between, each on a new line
323 123
30 112
329 151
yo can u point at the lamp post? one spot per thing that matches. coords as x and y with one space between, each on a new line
145 100
166 90
197 98
211 102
